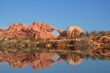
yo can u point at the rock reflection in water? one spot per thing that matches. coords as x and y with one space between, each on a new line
43 58
71 58
36 60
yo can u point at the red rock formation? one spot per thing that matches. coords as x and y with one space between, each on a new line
14 27
38 30
44 35
14 30
41 27
70 32
43 30
74 31
36 26
1 32
25 27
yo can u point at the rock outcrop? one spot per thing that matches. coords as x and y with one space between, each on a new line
14 30
38 30
43 30
73 31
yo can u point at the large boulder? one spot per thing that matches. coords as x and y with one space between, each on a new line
73 31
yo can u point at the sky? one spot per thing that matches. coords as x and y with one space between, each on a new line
90 15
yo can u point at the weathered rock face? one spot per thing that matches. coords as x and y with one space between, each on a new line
44 35
1 32
38 30
42 27
25 27
70 32
43 30
63 33
14 28
36 26
73 31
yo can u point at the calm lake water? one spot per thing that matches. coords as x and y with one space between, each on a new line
64 57
88 66
78 65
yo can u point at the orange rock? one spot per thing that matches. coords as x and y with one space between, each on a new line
73 31
49 28
14 27
25 27
43 26
1 33
36 26
44 35
37 30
